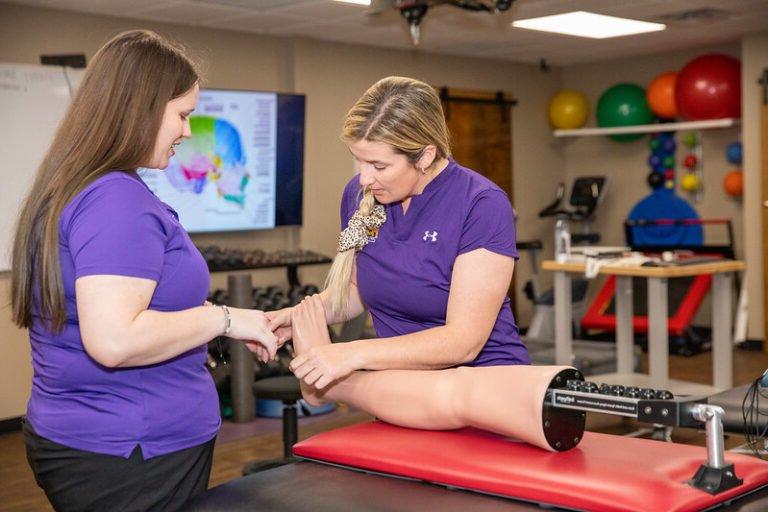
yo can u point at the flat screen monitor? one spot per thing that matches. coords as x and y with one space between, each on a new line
243 167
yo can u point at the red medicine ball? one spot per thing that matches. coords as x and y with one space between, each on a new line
709 87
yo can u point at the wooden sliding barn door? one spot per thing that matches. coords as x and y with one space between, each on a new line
480 123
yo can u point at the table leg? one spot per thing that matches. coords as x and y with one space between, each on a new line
624 330
722 343
658 332
563 319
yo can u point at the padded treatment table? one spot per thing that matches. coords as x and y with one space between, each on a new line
314 487
603 473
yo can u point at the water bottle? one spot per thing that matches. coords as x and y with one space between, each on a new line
562 241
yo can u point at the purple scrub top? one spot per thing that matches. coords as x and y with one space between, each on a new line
117 226
404 273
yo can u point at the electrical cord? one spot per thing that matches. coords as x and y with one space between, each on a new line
755 415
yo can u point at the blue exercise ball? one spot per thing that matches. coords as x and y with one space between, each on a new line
733 153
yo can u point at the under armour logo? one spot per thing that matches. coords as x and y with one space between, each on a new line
431 235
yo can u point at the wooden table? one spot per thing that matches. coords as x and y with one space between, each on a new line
658 334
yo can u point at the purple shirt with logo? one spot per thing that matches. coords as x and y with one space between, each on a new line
404 273
116 226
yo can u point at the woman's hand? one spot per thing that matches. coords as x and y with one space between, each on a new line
319 362
252 327
280 323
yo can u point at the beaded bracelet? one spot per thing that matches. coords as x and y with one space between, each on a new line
227 320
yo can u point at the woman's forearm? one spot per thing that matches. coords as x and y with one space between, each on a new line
430 349
353 308
155 336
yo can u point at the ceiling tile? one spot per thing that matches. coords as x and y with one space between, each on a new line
446 29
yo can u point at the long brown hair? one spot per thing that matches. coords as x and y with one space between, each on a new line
406 114
111 124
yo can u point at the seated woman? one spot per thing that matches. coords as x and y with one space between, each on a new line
507 400
440 235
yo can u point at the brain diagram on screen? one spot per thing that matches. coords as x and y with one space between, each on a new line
213 157
223 178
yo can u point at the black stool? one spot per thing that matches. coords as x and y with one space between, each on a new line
287 389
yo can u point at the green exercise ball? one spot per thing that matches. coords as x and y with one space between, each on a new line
624 105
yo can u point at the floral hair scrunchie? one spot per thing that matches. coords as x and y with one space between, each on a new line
360 226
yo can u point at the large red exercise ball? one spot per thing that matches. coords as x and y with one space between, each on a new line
661 95
733 183
568 110
623 105
709 87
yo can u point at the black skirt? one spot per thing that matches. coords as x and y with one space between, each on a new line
77 480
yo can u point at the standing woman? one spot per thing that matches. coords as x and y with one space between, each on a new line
123 413
428 246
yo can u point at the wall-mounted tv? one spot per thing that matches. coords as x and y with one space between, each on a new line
243 167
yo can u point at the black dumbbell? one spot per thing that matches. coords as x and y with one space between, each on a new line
632 392
295 294
217 261
284 303
310 289
262 303
219 296
231 260
647 393
605 389
589 387
663 394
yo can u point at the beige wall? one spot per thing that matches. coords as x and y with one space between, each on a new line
15 366
754 59
332 76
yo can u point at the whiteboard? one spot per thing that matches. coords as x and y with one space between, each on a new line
33 100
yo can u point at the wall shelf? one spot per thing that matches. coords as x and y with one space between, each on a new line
651 128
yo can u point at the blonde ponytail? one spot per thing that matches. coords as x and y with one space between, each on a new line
340 275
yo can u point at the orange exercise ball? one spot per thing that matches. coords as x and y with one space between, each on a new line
568 110
733 183
661 95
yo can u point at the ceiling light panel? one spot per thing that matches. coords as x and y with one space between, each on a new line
588 24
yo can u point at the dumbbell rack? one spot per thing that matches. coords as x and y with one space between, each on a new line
239 288
291 265
658 407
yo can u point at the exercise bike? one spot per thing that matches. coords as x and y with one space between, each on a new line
586 195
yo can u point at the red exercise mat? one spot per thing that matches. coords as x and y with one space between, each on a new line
603 473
